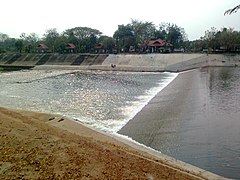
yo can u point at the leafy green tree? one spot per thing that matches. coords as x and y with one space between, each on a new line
3 38
193 46
107 42
50 38
32 40
9 45
142 31
176 35
209 39
71 37
29 41
161 31
19 45
124 37
60 43
84 37
227 38
171 33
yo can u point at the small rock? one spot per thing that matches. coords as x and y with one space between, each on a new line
51 118
62 119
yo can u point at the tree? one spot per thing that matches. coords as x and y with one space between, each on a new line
224 40
210 38
107 42
227 39
124 37
3 39
172 33
142 31
161 33
60 43
29 41
90 43
9 45
50 37
19 45
83 37
233 10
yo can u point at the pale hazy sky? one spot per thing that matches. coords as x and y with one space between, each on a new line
195 17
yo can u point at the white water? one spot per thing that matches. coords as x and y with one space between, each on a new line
83 96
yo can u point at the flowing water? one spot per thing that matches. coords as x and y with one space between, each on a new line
105 100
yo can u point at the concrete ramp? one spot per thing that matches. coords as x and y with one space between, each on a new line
55 59
27 60
79 60
13 58
99 59
43 59
88 60
70 59
5 58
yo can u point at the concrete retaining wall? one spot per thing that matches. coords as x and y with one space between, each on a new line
124 62
51 59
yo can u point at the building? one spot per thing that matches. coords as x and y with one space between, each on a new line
159 46
70 48
42 48
100 48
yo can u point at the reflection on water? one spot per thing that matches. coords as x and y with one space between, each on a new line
105 100
224 89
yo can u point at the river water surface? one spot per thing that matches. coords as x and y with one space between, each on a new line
105 100
209 136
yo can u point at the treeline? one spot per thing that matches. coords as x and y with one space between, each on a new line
218 41
132 37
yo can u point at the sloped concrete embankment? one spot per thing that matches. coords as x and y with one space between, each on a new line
121 62
129 62
148 62
31 60
211 60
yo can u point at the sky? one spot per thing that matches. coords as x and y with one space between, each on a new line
195 16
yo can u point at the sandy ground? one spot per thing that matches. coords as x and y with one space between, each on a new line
37 145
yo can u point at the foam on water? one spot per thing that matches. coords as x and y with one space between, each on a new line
103 100
114 125
137 106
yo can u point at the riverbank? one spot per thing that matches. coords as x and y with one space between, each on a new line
37 145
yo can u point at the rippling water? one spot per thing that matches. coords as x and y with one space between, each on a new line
106 100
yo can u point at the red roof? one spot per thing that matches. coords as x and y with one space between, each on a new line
158 43
99 46
70 46
42 46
